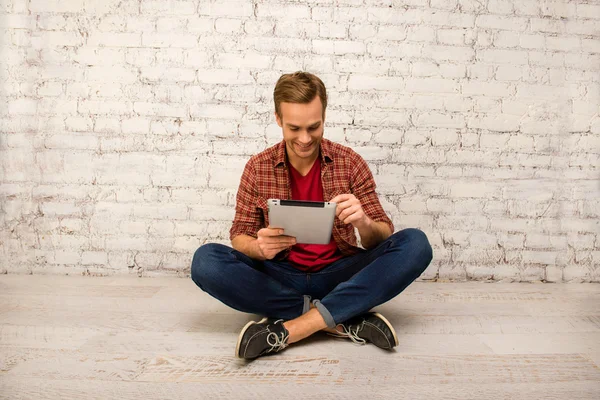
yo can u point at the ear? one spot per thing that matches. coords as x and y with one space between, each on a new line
278 120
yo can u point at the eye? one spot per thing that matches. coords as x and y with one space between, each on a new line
293 129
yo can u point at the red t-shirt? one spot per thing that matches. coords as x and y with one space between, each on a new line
311 257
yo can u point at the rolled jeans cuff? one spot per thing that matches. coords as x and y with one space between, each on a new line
306 306
325 314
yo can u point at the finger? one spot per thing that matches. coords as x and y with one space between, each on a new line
349 211
275 248
341 207
340 198
281 240
352 218
346 207
271 231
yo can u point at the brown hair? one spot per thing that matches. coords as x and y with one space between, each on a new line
299 87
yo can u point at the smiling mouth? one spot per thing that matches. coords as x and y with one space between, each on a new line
304 147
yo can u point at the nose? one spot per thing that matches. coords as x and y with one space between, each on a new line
304 138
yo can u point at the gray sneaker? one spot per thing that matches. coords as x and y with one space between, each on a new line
259 338
370 327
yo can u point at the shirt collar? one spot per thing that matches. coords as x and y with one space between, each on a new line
281 157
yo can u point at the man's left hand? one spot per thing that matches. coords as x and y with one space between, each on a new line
349 210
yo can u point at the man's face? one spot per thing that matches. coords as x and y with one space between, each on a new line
302 126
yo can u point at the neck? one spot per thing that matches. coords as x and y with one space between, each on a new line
302 164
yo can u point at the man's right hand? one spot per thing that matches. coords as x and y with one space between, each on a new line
271 241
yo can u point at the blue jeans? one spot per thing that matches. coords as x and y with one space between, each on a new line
346 288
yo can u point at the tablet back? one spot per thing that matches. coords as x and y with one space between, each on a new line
310 222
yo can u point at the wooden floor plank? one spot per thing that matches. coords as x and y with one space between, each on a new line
45 336
42 389
342 370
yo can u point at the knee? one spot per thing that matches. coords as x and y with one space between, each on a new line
203 262
416 243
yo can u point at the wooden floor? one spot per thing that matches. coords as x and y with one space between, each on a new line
163 338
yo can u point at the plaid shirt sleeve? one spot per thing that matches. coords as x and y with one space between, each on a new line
248 216
363 187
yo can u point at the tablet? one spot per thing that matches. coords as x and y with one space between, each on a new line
310 222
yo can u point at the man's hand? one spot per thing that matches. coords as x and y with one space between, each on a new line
349 211
271 241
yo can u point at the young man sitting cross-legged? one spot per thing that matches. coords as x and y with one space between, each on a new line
305 288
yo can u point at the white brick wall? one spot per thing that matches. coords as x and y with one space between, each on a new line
125 125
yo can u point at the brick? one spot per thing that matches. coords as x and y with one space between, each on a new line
333 31
111 74
216 111
431 86
297 29
509 73
518 24
494 56
500 7
82 142
114 39
472 6
548 25
420 34
23 107
169 40
381 118
444 4
563 43
104 107
591 11
281 11
276 45
56 6
361 66
248 60
339 47
451 36
532 41
226 8
541 241
539 257
440 120
466 223
391 32
162 74
94 257
106 125
366 82
444 18
474 190
160 109
449 53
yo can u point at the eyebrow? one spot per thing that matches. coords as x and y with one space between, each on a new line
314 125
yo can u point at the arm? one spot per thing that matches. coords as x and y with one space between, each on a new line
372 233
362 208
247 245
350 211
246 234
266 246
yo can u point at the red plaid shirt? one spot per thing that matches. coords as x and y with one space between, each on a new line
266 176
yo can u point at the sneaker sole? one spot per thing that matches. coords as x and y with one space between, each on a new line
384 319
244 329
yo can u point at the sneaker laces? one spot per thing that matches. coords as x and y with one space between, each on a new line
352 334
276 342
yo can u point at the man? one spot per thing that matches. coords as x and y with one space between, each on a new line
299 288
